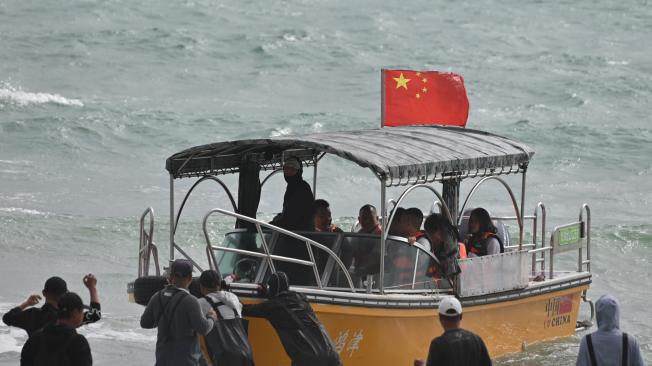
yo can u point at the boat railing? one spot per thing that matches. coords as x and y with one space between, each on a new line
565 238
146 247
267 255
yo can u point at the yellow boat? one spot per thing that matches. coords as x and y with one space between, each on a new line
381 313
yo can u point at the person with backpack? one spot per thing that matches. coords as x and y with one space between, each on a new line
609 345
227 343
178 317
303 336
58 344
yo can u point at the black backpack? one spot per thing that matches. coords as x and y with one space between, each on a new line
228 343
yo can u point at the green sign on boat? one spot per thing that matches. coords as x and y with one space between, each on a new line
569 236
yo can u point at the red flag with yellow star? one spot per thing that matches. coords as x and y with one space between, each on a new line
423 97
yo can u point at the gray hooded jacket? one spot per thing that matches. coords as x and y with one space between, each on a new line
608 339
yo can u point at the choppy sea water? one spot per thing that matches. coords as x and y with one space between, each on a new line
94 95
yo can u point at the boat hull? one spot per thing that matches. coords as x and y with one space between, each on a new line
393 336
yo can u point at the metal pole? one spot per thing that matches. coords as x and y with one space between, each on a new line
383 235
520 235
171 218
314 179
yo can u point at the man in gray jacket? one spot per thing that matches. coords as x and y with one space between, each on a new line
609 345
178 317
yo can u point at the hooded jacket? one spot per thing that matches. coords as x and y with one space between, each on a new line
608 339
56 345
297 205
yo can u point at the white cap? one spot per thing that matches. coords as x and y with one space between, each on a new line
292 163
450 306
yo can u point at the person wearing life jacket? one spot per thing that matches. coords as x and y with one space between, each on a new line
323 218
482 239
445 246
368 220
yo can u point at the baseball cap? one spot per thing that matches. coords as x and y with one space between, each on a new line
68 302
55 286
181 268
450 306
292 162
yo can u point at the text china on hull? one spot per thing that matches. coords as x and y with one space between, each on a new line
510 299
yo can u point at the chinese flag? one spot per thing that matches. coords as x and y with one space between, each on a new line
423 97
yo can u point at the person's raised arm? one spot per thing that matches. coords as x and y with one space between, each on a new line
18 316
95 313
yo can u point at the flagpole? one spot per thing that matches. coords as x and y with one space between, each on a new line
382 97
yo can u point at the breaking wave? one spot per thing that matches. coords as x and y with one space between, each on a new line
16 96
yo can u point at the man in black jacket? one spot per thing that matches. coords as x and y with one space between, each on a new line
58 343
302 335
32 319
456 347
297 215
297 201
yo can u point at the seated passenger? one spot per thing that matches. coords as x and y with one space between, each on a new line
482 238
368 219
396 226
323 219
412 220
445 247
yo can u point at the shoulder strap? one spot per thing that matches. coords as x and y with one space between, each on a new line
589 343
216 305
173 311
625 349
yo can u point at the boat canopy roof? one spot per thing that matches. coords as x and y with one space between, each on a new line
397 155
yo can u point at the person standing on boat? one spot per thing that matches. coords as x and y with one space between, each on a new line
303 336
58 344
457 346
178 317
297 201
297 215
482 238
609 345
32 319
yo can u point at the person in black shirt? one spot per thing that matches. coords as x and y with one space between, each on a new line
297 201
297 215
32 319
303 336
456 347
58 344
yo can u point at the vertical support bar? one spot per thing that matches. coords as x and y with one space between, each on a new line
520 235
314 265
451 194
383 235
172 218
382 99
314 179
265 248
552 258
587 228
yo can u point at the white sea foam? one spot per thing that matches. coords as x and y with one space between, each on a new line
25 211
12 95
103 331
